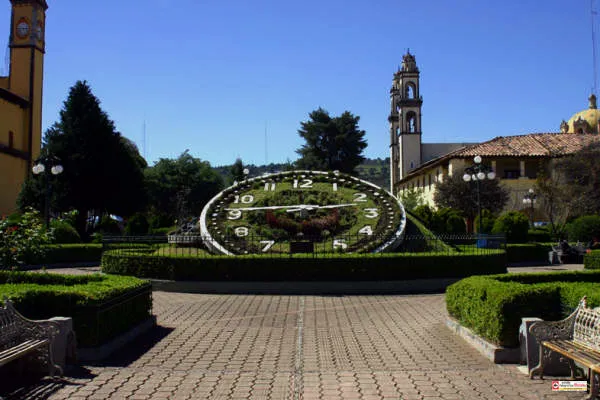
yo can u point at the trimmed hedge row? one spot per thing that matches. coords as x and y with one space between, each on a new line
304 267
68 253
102 306
527 252
492 306
592 260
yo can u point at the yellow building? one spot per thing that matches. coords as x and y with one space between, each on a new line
21 99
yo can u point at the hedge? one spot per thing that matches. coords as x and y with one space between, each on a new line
527 252
592 260
492 306
305 267
102 306
68 253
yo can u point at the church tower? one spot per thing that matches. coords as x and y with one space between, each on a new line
21 99
27 48
405 121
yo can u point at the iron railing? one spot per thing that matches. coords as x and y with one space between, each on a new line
199 246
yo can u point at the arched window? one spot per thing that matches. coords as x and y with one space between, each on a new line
412 165
410 90
411 121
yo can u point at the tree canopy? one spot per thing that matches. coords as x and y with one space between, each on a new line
178 188
454 192
102 169
331 143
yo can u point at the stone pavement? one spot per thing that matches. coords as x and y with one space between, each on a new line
296 347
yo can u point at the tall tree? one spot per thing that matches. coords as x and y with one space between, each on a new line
102 170
237 171
181 187
454 192
331 143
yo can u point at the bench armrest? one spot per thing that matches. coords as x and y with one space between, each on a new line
553 330
557 330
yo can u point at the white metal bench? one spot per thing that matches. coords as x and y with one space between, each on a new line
576 338
20 337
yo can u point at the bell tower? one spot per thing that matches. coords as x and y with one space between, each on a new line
405 121
27 49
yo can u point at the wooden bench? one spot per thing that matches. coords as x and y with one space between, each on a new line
20 337
576 338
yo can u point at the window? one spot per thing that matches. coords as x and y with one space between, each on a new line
11 139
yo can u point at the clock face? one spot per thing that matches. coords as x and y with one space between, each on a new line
22 29
331 212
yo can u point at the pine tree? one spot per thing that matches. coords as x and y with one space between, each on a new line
103 171
331 143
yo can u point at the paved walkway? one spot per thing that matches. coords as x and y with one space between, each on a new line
296 347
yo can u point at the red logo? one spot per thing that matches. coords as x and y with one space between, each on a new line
555 385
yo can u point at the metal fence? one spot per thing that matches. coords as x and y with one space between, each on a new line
198 246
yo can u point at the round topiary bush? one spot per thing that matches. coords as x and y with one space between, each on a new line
584 229
63 232
514 225
137 225
455 224
487 221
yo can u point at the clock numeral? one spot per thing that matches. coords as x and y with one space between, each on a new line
371 213
269 186
241 231
234 214
246 199
335 187
304 184
360 197
340 244
268 244
366 230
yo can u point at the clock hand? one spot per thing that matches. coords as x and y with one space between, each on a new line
291 208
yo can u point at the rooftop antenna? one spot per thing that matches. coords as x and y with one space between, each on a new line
595 77
266 147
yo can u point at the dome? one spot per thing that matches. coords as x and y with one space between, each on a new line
585 121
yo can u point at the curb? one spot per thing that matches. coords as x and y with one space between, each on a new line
496 354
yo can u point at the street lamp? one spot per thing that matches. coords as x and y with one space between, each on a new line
478 172
530 198
42 165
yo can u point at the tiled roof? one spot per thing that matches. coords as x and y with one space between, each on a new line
531 145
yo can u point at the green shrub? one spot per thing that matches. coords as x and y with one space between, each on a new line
109 226
137 225
455 224
424 213
88 299
492 306
439 221
592 260
162 231
157 221
584 229
67 253
527 252
304 267
487 221
514 224
63 232
21 239
539 235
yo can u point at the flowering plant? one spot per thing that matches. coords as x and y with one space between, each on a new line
21 240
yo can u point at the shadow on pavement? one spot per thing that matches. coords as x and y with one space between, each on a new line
134 349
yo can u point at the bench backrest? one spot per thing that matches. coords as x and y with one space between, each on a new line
586 329
11 328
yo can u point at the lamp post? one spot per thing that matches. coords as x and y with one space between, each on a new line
530 198
43 164
478 172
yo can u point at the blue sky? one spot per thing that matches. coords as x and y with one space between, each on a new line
209 76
